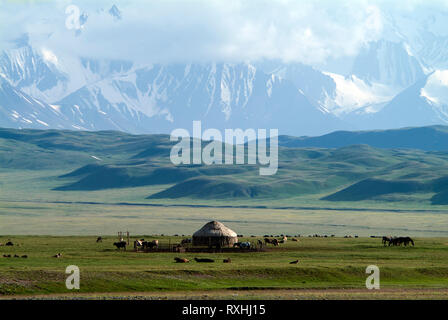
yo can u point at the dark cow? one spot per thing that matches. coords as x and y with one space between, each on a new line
294 262
150 244
181 260
9 243
203 260
228 260
274 242
99 239
120 245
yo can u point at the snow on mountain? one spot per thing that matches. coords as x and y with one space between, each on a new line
424 103
315 85
352 93
388 63
436 88
19 110
221 95
45 76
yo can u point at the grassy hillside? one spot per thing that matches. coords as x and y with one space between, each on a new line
432 138
94 161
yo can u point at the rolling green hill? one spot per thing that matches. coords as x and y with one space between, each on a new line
94 161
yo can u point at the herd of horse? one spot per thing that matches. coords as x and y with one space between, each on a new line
397 241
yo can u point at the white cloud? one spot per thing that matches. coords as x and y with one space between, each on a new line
200 30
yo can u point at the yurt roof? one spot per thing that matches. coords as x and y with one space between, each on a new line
215 229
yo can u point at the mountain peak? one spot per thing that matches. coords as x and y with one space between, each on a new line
115 12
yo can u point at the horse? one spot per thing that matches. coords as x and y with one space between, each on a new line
386 239
407 240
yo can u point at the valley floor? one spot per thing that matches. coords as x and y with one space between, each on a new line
328 268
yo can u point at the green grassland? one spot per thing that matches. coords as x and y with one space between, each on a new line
325 264
77 185
86 183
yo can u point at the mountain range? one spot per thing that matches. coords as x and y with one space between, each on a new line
393 82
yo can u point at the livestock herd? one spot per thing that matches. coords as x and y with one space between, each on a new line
397 241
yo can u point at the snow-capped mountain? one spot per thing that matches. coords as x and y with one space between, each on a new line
396 81
19 110
424 103
46 76
388 63
220 95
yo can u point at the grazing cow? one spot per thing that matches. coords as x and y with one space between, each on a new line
275 242
138 243
99 239
203 260
16 256
228 260
284 239
9 243
25 256
294 262
294 239
59 255
120 245
181 260
267 240
7 256
260 243
150 244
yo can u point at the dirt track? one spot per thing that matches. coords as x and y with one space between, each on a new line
304 294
